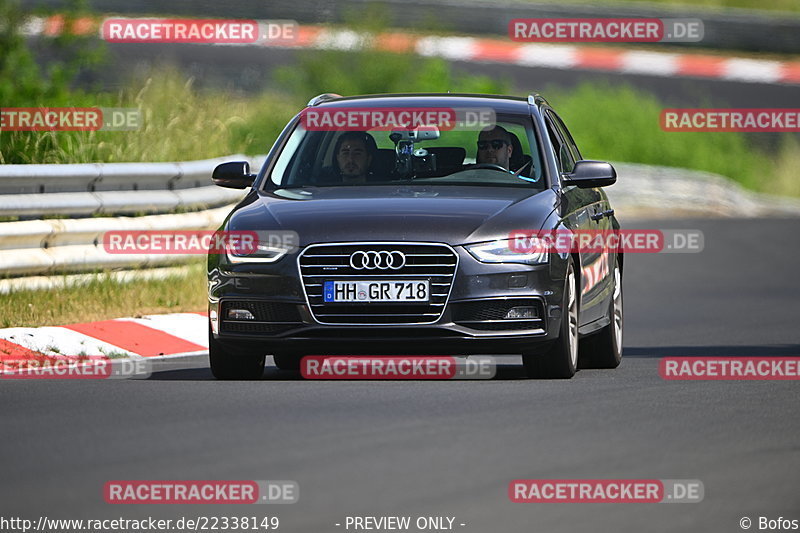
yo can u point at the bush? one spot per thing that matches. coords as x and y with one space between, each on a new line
23 83
371 72
620 123
611 122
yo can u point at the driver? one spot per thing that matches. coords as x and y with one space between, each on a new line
494 147
354 151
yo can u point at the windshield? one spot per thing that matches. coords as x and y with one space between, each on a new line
504 153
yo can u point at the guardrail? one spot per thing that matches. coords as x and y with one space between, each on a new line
57 245
68 245
670 192
121 202
61 245
95 177
113 188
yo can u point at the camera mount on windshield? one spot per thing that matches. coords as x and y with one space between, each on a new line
409 161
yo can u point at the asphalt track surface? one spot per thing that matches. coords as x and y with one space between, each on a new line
449 448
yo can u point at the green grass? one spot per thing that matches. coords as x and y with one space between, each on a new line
770 5
179 123
105 298
191 124
183 123
624 126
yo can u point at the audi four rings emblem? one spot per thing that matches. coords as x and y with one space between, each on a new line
381 260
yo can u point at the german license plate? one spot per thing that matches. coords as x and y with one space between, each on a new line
376 291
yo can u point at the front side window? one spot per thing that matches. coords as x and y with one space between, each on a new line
566 135
565 147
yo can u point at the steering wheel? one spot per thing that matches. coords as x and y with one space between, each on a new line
488 166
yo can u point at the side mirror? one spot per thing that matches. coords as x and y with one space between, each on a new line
588 174
234 175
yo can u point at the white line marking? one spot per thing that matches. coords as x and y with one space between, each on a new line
547 55
654 63
456 48
752 70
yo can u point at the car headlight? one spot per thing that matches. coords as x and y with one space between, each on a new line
263 253
502 251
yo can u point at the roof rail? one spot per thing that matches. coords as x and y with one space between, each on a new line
324 97
536 99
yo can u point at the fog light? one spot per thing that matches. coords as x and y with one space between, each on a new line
522 312
240 314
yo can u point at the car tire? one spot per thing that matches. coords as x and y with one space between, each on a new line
233 365
604 349
287 362
560 360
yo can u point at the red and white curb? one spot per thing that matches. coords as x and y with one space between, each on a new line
487 50
560 56
153 337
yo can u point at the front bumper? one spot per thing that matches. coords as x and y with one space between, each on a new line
472 320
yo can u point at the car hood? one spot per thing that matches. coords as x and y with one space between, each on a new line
451 214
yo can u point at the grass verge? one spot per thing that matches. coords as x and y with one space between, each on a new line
182 123
613 122
623 125
791 6
105 298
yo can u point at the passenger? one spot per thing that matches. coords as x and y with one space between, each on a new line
494 147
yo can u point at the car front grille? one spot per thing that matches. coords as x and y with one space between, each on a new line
229 326
436 263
